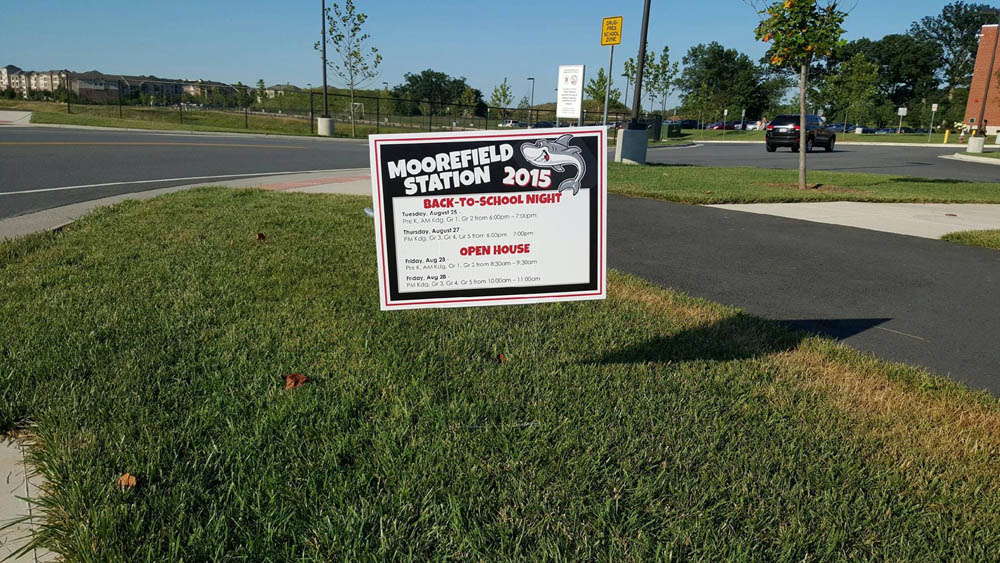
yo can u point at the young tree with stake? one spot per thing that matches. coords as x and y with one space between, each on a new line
357 59
800 32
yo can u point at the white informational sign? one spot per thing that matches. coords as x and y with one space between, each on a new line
569 101
934 107
488 218
901 112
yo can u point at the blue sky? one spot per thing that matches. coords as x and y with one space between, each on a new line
483 41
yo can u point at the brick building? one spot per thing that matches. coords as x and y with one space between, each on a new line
987 44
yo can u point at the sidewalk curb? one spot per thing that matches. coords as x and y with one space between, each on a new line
19 489
976 159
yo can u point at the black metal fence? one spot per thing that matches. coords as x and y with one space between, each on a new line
295 112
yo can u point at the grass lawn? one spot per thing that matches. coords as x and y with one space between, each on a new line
988 239
698 184
987 154
151 338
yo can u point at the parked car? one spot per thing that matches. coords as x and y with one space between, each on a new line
722 125
541 125
784 131
842 127
689 124
509 123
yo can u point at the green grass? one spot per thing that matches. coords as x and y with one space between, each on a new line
151 338
987 238
987 154
171 119
697 184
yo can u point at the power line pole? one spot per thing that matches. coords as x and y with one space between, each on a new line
637 95
326 105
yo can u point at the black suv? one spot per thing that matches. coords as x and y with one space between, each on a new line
783 131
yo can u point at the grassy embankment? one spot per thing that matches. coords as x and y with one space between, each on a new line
171 119
987 154
697 184
649 425
986 239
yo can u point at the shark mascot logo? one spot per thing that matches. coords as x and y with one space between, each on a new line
557 154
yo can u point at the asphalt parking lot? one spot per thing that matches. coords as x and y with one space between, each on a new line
921 162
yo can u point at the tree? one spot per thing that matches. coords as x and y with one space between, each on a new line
501 97
650 77
469 102
596 87
429 85
715 79
800 31
261 94
357 60
523 110
954 30
628 72
666 76
854 85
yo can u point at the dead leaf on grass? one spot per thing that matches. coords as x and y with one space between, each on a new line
501 359
127 481
294 380
261 237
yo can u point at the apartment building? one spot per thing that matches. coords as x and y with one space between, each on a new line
13 78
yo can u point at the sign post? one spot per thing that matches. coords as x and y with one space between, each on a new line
467 219
934 108
569 102
611 34
902 113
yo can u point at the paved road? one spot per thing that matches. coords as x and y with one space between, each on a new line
914 300
33 158
905 161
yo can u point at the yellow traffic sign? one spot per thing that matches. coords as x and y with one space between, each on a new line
611 31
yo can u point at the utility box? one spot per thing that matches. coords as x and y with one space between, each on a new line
654 127
673 130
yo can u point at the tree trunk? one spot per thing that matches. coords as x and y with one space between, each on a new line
354 132
802 127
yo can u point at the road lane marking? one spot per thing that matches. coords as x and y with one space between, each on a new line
139 144
159 180
901 333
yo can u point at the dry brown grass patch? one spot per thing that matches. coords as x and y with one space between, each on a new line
677 307
952 427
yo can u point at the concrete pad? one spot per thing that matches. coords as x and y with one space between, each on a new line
17 484
927 220
8 117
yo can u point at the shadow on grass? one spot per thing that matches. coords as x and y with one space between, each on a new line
735 338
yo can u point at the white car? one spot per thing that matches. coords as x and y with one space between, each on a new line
509 123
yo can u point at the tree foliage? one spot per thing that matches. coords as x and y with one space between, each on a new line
595 88
954 30
432 86
799 32
356 59
716 78
502 97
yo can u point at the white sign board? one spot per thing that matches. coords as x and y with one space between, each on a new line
467 219
934 107
569 101
901 112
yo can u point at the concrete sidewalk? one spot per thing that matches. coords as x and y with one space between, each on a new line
17 484
354 181
927 220
9 117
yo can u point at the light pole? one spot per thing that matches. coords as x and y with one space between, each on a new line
980 127
531 104
637 95
326 106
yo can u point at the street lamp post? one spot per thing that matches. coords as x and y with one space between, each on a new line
637 94
531 104
326 105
